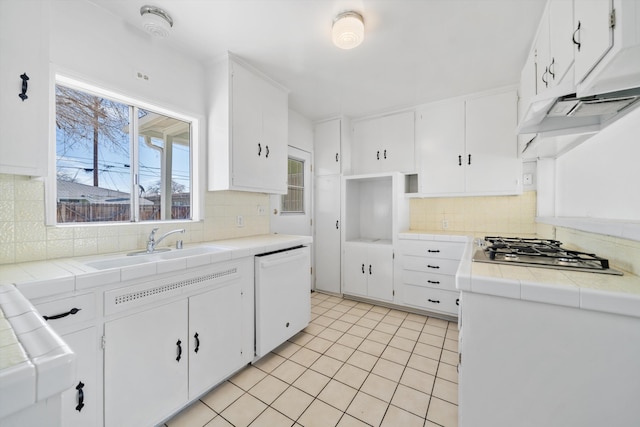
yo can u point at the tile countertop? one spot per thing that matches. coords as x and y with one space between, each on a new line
589 291
51 277
34 361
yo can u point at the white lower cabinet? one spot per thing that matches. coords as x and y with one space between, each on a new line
215 334
368 270
80 404
146 365
73 318
426 273
159 359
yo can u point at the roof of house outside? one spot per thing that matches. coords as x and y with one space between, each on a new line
73 191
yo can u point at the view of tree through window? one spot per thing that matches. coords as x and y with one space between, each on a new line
100 177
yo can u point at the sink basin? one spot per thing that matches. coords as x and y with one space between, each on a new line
160 254
119 262
144 252
198 250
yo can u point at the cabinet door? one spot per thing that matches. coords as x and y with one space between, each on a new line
23 124
396 142
491 158
440 140
356 269
543 54
327 238
215 334
560 34
273 177
248 148
384 144
380 272
80 403
326 148
594 35
146 365
366 153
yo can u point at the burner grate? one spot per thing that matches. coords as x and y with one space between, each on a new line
545 251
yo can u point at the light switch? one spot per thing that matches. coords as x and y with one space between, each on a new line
528 179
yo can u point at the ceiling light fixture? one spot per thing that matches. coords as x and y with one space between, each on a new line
348 30
156 21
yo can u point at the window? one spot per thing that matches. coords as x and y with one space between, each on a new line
293 201
119 162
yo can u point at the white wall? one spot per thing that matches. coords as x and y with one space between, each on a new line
300 131
89 43
601 177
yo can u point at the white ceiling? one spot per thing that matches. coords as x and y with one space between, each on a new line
414 51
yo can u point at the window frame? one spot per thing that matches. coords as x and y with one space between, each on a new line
135 104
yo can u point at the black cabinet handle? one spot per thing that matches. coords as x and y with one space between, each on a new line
435 301
378 155
546 71
459 160
369 268
576 42
267 153
336 157
385 154
61 315
179 344
25 86
433 266
433 282
195 350
469 161
259 149
80 404
434 251
362 268
551 67
457 301
287 325
337 222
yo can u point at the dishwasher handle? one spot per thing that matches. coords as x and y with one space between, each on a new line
268 264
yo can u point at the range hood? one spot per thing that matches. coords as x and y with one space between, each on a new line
558 111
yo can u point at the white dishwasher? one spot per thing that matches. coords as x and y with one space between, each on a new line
283 299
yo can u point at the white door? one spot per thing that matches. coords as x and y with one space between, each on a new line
291 213
326 241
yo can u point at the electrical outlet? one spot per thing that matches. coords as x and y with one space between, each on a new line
240 221
141 76
528 179
445 224
262 210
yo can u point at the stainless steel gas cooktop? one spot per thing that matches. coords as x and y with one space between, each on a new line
542 253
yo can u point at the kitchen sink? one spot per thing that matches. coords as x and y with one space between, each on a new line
160 254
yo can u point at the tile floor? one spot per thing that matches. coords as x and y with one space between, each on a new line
356 364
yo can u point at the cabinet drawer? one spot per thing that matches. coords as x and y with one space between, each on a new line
430 265
431 299
430 280
68 311
432 249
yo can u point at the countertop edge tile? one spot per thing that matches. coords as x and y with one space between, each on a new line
610 302
550 294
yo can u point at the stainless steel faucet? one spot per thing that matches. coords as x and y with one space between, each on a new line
152 242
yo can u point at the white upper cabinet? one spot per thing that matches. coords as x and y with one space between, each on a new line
469 147
492 164
384 144
607 45
24 47
593 36
326 147
248 129
441 146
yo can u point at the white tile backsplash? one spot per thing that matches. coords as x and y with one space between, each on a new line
24 237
